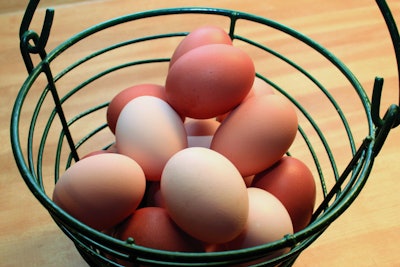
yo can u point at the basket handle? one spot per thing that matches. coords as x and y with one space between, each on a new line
391 119
27 36
38 47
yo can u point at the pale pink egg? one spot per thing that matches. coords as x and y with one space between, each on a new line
150 132
205 195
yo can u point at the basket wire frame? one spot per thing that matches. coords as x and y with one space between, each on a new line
100 249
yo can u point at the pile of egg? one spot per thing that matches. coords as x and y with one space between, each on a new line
199 164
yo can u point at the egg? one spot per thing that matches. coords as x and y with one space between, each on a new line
200 132
257 133
209 80
268 221
150 131
101 190
201 36
122 98
292 182
153 228
205 195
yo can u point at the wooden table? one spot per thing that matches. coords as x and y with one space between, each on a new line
366 234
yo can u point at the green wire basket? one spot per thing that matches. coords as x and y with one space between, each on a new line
49 131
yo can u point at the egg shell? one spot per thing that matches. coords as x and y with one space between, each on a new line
292 182
268 221
150 132
205 195
203 35
209 80
153 228
122 98
257 133
101 190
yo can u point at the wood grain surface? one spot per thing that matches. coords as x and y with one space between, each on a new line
365 235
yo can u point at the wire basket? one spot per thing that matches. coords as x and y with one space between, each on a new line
50 129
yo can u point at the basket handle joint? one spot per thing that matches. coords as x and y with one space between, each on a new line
30 41
390 120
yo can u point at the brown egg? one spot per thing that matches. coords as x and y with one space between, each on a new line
257 133
101 190
153 228
209 80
